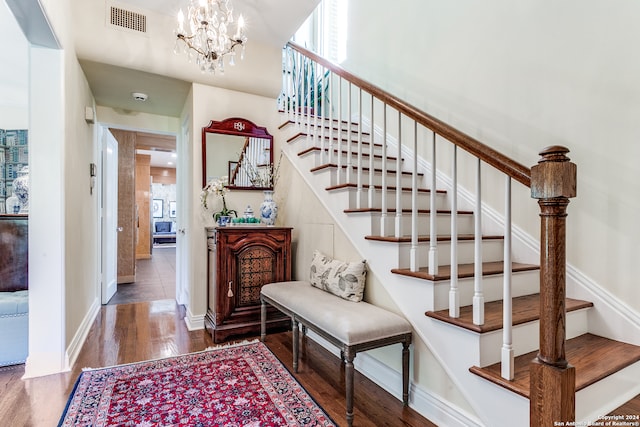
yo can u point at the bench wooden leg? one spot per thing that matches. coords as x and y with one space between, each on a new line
296 335
348 376
405 373
263 320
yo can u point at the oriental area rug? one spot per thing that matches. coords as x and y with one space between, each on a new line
239 385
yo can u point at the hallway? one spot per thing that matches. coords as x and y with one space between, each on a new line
155 279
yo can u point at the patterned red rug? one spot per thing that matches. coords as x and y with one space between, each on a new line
242 385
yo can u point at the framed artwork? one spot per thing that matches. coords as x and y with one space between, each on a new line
172 209
232 170
156 208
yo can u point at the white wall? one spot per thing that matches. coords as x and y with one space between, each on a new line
211 103
14 76
521 76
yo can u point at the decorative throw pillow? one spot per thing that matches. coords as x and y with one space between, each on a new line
343 279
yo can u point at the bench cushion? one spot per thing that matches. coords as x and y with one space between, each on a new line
350 322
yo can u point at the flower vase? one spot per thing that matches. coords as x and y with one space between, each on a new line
223 220
268 209
21 189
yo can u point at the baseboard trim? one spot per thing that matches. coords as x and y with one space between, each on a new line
422 401
194 323
83 331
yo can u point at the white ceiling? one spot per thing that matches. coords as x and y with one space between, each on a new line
118 62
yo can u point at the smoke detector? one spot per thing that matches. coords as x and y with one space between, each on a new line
139 96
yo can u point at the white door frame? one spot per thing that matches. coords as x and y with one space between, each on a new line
182 246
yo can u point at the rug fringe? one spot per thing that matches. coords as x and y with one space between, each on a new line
233 344
216 347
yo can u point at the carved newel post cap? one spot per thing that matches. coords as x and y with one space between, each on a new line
554 175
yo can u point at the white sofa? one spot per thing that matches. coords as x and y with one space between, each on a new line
14 327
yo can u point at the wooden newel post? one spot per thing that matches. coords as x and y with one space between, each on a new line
552 386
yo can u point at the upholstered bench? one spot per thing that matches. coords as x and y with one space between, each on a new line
350 326
14 327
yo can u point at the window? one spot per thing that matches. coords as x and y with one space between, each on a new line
325 31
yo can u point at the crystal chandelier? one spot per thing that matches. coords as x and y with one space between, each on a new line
206 34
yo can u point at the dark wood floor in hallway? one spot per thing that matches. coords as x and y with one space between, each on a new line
135 331
155 278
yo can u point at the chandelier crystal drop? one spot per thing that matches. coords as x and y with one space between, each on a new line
205 34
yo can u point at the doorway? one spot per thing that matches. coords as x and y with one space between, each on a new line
147 216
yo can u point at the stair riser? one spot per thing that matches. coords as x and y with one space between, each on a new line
618 387
316 141
351 199
526 337
317 126
492 250
406 180
352 161
443 224
320 160
522 283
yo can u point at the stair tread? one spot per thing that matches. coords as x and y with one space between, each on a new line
354 138
366 168
426 238
525 309
326 119
464 270
335 150
379 187
408 210
593 356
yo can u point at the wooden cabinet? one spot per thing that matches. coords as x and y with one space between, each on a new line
240 261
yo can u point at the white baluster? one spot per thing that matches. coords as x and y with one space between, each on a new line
454 294
314 89
299 88
507 360
398 224
359 154
339 153
433 214
323 142
349 160
307 105
372 190
330 111
383 195
413 253
478 296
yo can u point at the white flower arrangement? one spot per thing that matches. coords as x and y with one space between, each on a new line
217 187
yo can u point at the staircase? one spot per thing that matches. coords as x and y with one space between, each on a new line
380 193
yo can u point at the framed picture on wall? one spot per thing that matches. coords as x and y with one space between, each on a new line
172 209
232 169
156 208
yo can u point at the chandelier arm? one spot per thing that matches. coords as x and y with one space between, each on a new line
187 41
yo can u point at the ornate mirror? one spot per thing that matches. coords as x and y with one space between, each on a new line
240 150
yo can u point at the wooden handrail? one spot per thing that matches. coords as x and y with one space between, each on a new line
485 153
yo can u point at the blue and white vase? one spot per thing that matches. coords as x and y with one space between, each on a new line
21 189
268 209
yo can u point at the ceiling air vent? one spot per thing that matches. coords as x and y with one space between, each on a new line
128 19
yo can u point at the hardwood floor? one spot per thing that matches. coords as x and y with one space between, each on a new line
125 333
155 278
